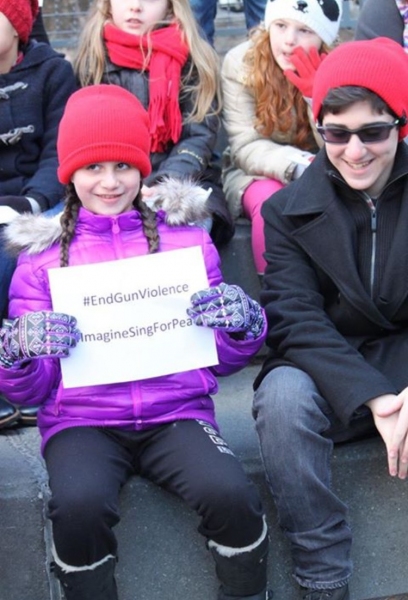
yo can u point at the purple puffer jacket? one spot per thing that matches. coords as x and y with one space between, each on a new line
135 405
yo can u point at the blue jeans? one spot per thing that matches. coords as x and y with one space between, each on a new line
205 12
297 429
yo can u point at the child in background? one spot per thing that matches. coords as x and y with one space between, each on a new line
35 83
94 438
154 50
266 83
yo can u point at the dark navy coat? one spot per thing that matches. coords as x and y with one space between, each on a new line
32 99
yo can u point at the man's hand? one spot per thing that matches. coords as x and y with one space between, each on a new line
390 415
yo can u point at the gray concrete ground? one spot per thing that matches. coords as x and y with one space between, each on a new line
161 555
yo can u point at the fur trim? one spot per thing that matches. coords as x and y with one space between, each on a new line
230 552
33 233
184 202
71 569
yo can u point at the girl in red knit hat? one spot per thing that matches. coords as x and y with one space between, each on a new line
154 50
35 83
162 427
266 84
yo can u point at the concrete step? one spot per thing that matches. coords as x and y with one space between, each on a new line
161 554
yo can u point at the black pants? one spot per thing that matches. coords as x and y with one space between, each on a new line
88 466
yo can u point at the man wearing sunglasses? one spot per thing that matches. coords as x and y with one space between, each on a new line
336 297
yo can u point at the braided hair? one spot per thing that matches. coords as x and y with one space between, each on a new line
68 221
70 215
149 223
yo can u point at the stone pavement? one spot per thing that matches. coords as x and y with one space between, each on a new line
161 555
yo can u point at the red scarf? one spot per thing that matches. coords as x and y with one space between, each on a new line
168 56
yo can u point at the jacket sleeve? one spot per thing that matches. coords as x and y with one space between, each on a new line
233 354
192 154
44 186
300 333
250 151
30 384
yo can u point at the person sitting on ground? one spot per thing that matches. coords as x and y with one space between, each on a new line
35 83
266 84
95 437
336 298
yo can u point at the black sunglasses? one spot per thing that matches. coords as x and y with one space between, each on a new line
369 134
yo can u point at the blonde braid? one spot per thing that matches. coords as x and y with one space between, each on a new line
68 222
149 222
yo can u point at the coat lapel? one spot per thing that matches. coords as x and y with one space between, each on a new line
327 238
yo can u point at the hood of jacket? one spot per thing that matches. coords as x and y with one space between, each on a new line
35 53
181 202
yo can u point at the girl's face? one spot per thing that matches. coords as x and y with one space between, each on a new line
287 34
363 166
138 16
107 188
8 41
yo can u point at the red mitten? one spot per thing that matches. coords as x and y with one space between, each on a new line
306 65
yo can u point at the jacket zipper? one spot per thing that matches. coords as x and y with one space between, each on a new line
373 211
115 232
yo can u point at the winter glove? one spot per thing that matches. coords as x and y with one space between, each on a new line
18 203
306 65
227 307
36 335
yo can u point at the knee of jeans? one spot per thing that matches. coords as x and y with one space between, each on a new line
283 400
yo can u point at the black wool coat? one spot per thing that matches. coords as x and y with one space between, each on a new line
351 339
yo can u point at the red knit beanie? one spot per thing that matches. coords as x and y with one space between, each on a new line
380 65
21 14
103 123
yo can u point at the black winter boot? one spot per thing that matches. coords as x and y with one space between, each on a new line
243 576
96 584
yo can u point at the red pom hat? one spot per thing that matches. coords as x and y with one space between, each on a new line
380 65
103 123
21 14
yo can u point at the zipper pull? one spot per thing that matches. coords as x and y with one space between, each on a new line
115 226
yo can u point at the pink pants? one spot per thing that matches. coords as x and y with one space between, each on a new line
254 196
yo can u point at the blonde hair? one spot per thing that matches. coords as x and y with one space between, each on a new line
70 215
278 103
90 60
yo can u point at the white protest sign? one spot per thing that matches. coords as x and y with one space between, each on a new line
132 317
